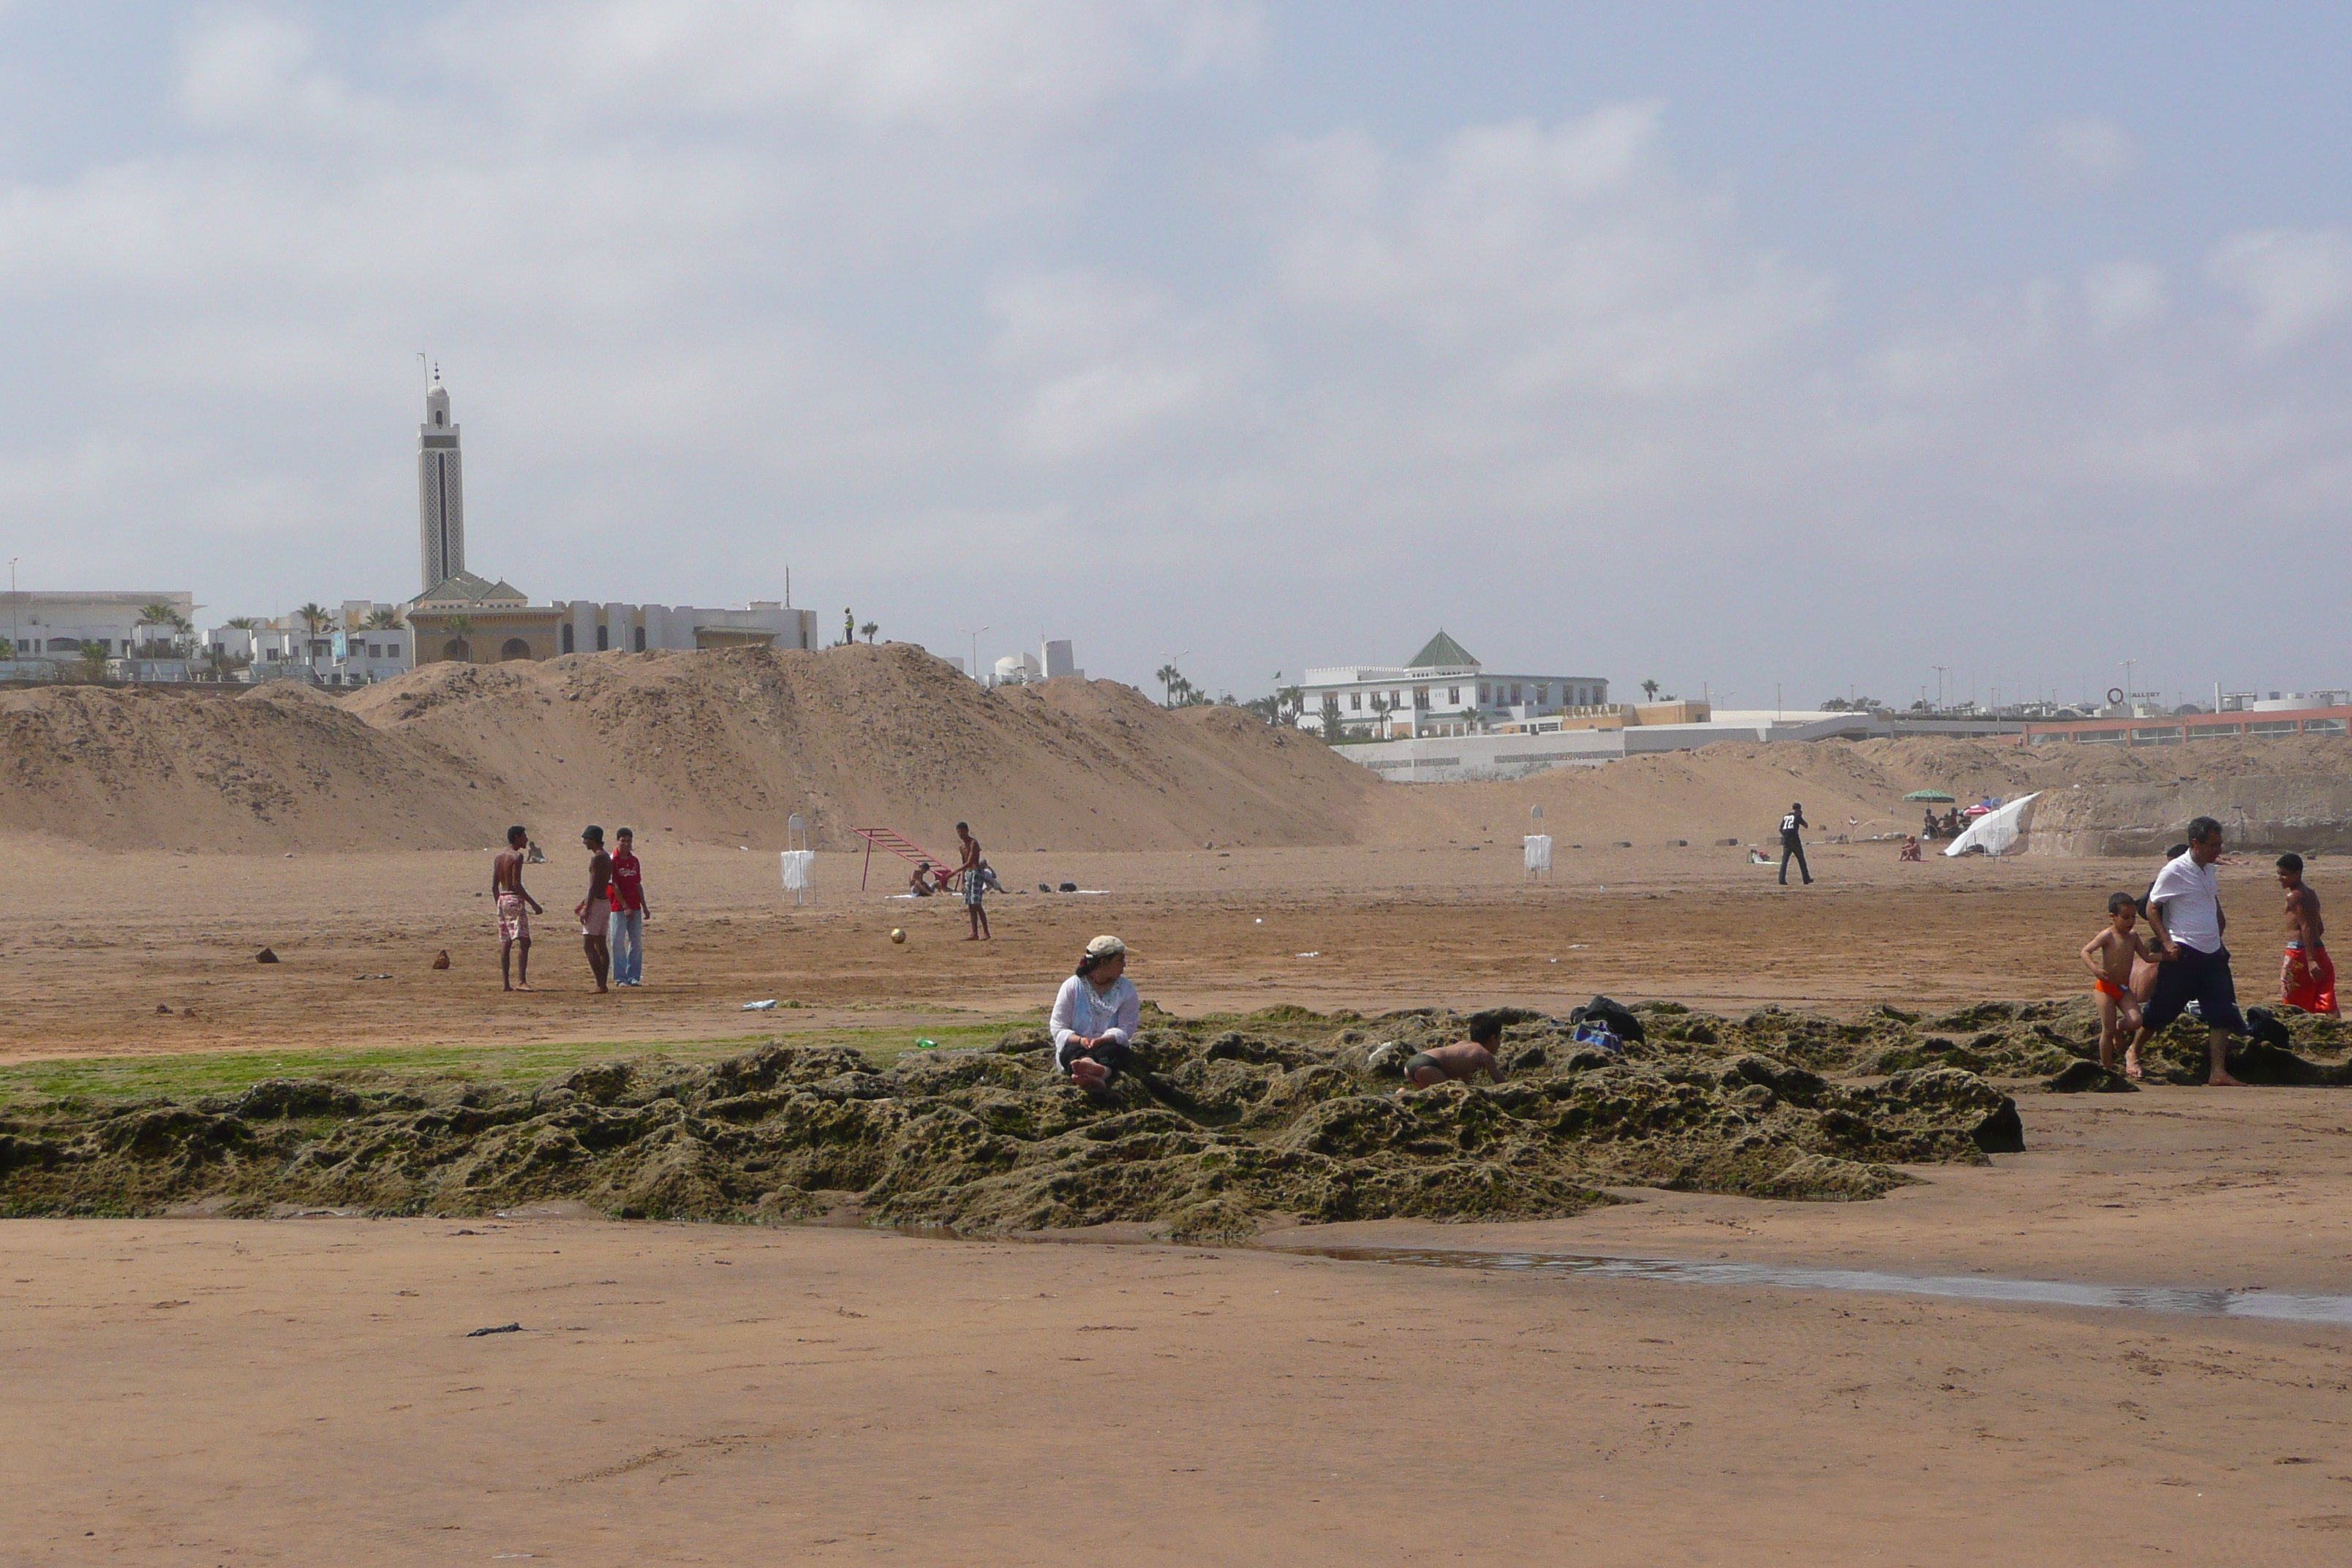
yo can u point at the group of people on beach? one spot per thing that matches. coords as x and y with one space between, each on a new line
2142 981
611 914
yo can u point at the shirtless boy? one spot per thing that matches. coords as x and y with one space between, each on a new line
1461 1060
2109 957
595 910
2308 979
514 925
974 888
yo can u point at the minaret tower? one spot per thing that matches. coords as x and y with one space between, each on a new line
440 491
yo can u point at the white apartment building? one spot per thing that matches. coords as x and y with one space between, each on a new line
1440 690
348 650
56 626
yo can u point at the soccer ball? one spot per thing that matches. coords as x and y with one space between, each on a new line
897 935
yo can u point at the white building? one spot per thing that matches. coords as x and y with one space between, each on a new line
440 491
1440 690
352 646
56 626
1054 658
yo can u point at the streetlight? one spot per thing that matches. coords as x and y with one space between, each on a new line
2129 708
1939 669
13 651
973 633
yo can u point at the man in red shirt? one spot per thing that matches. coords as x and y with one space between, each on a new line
626 924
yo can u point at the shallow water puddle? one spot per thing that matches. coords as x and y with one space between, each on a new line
2281 1305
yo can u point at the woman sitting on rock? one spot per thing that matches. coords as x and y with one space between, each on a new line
1094 1016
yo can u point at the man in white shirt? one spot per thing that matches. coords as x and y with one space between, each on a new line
2184 909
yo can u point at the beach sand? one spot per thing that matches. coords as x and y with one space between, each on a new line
204 1392
106 940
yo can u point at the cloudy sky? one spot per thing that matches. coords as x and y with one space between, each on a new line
1811 349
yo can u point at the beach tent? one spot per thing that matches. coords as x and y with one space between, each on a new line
1996 832
1937 795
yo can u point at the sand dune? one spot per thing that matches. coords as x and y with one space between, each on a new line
721 747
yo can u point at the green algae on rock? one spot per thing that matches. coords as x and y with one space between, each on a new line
1295 1116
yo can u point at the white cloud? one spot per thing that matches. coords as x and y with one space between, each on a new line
2086 151
1104 364
922 298
955 66
1555 258
2122 295
2295 282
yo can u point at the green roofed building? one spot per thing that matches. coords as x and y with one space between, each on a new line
1440 690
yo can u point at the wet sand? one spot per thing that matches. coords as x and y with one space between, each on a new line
201 1391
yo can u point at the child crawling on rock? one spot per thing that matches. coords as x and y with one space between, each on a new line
1461 1060
2109 957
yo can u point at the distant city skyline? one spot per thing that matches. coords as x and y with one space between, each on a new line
1814 347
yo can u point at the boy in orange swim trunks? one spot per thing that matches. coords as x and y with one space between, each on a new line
2108 956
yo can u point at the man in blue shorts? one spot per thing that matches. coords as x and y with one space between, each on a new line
2185 909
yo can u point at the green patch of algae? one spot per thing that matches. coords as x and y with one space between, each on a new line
1231 1123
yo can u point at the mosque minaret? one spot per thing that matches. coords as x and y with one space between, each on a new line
440 491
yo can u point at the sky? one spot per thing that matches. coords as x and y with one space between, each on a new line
1773 352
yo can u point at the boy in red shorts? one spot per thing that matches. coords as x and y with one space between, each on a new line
2108 956
2308 978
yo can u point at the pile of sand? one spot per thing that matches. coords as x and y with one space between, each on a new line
1223 1131
714 746
282 767
722 747
725 746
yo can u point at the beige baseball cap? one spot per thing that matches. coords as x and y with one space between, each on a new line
1105 947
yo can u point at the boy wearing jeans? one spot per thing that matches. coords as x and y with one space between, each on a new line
625 926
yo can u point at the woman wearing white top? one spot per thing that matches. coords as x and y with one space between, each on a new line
1094 1016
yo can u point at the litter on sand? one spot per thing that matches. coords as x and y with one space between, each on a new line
767 1006
1317 955
501 1329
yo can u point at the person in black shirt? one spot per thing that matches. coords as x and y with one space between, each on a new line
1792 843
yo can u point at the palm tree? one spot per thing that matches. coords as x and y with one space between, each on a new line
460 628
93 660
158 613
869 628
1650 689
242 622
314 616
384 619
1170 678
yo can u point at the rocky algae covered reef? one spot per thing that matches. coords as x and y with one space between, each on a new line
1283 1114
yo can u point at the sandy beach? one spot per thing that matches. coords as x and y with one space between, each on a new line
201 1391
115 937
